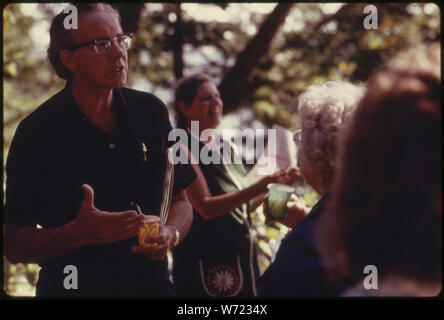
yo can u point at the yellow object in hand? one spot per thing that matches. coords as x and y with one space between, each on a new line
149 229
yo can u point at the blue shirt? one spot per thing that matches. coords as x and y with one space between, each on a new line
298 270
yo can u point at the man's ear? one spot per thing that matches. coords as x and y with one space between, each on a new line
68 59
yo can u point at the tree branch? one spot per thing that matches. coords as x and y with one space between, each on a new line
235 84
309 30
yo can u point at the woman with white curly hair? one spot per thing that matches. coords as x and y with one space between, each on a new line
324 111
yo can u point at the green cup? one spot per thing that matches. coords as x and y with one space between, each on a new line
278 196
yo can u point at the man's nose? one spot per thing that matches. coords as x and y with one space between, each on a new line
217 100
116 50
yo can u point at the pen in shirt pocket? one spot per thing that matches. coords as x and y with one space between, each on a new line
144 150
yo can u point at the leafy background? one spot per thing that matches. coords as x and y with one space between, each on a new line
261 55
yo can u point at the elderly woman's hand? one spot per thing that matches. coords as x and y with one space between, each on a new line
296 211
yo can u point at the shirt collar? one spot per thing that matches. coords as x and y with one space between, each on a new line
119 103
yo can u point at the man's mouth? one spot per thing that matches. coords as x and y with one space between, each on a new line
211 113
117 69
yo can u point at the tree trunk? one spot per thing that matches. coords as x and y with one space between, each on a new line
177 43
236 83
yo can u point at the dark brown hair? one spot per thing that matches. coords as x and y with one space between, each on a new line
186 90
62 38
386 206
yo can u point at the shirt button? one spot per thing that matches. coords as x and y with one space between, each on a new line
112 146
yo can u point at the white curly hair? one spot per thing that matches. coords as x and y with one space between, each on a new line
324 111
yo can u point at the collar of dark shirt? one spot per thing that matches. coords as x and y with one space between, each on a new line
125 116
119 102
318 208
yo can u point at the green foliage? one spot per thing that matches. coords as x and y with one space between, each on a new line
302 53
28 79
20 279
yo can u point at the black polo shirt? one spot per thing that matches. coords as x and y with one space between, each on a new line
55 150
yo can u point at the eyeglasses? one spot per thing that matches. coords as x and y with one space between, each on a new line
104 45
297 136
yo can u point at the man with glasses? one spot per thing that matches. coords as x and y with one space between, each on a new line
83 163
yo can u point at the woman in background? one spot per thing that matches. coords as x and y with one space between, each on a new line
218 256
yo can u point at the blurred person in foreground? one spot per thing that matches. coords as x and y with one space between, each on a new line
83 162
324 111
386 211
218 258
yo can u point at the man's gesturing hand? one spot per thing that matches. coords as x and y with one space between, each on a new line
95 226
